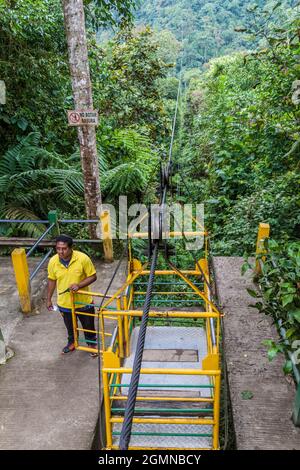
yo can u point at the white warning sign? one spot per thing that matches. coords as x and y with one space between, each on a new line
83 118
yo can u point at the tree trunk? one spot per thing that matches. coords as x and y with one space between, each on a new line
83 100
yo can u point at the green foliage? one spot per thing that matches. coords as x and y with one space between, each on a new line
113 12
34 180
208 28
39 159
247 395
280 294
138 159
125 76
33 63
240 145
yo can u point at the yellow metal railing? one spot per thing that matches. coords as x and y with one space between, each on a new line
118 314
109 391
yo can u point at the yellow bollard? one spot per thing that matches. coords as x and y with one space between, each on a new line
263 233
21 269
106 236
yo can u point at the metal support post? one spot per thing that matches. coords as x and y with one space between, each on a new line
21 270
107 236
263 233
53 219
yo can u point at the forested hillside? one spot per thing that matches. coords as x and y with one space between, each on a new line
207 27
239 144
39 156
237 140
238 152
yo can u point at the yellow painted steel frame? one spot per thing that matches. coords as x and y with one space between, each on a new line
263 233
122 316
21 270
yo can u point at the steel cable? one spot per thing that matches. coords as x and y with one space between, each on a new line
101 444
136 369
133 388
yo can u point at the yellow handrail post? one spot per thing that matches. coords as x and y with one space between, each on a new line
107 236
263 233
120 330
74 320
21 270
107 410
126 327
216 426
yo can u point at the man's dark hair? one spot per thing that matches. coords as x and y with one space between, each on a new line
65 239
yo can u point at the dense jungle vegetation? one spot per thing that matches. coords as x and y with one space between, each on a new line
238 139
238 132
206 27
39 163
239 144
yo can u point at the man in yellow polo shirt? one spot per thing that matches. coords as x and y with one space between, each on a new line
71 270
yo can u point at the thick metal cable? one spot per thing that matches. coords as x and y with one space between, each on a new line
133 388
101 444
136 369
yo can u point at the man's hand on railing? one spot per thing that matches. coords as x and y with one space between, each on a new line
74 287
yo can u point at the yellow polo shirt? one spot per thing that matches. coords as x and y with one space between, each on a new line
79 268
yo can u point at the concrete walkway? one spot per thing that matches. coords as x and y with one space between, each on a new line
263 422
48 401
10 313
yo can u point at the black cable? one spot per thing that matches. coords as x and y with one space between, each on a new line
136 369
101 444
132 393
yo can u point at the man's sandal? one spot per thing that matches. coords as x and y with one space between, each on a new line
69 348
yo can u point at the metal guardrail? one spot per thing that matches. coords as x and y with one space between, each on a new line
41 263
34 247
61 221
20 257
23 221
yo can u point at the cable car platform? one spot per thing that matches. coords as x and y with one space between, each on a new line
177 399
170 347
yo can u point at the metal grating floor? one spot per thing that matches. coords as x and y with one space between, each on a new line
171 338
167 442
174 341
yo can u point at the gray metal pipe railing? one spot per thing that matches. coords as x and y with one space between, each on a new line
62 221
212 326
39 240
41 263
82 221
23 221
114 336
212 332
